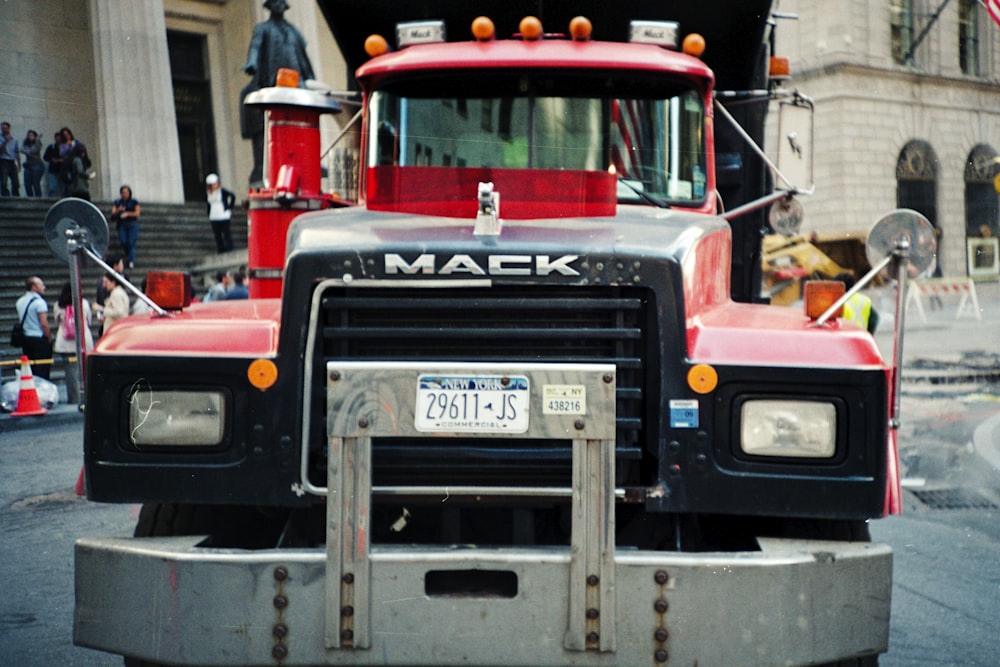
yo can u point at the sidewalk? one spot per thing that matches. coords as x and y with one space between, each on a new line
58 415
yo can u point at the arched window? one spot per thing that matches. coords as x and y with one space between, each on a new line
916 179
981 207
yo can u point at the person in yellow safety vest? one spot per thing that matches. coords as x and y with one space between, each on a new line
859 308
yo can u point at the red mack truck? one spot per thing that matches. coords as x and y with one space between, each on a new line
519 403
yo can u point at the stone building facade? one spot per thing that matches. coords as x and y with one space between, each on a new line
907 113
151 87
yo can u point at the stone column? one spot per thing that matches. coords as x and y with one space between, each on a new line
137 126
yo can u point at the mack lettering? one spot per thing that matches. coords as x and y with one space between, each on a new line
495 265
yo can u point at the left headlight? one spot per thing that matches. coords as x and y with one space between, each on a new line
788 428
174 418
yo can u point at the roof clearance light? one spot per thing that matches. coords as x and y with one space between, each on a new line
376 46
693 45
531 28
580 28
661 33
483 29
419 32
818 295
287 78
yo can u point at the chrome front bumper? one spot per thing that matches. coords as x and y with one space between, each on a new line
794 602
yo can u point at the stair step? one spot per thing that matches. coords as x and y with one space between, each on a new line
171 238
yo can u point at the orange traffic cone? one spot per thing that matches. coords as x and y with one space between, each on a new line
81 484
27 400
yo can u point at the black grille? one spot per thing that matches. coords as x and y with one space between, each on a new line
529 324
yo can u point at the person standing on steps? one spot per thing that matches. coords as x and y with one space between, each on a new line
34 168
125 212
220 212
53 156
9 155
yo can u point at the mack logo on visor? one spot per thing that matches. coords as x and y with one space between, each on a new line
495 265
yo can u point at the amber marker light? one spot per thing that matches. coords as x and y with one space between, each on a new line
262 373
580 28
693 45
818 295
483 29
531 28
779 68
702 378
287 78
376 45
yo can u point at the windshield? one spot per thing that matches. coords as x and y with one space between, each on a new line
647 131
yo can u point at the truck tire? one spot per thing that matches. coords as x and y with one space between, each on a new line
226 525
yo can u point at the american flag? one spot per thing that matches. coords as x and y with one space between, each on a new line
993 7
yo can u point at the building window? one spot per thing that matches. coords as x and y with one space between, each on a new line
968 37
981 206
901 29
916 179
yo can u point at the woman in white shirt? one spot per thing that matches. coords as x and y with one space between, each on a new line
65 342
116 306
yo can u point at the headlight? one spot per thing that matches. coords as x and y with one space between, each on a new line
176 418
793 429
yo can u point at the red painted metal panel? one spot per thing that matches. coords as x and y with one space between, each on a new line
524 193
240 328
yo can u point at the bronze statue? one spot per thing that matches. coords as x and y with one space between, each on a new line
275 44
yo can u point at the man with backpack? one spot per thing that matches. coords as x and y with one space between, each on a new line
32 311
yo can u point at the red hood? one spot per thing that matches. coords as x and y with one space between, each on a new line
230 328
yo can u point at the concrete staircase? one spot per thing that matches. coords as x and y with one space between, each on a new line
171 237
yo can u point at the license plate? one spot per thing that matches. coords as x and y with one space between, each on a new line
472 403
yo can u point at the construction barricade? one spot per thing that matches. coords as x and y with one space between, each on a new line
936 288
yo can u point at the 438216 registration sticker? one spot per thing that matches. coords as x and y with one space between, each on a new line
472 403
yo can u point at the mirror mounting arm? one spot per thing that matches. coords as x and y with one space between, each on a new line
758 150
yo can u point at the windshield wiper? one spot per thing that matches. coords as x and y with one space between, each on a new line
643 195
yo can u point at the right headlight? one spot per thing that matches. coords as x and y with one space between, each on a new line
788 428
174 418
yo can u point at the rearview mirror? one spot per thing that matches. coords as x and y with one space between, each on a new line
795 144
